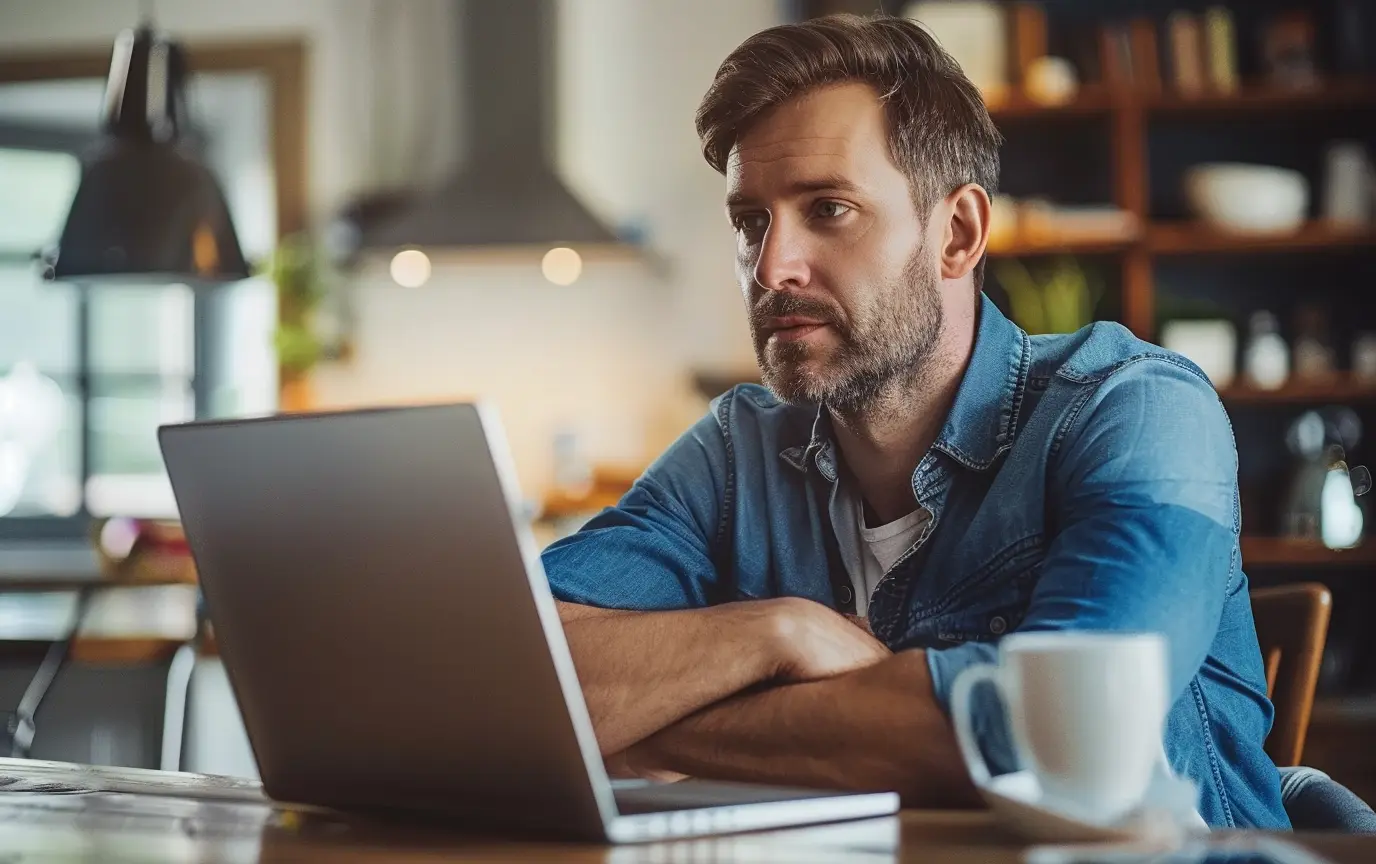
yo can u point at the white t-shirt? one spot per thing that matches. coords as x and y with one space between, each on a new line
868 552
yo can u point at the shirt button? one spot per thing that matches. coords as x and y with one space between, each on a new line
997 625
847 595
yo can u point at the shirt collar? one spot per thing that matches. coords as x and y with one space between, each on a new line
984 417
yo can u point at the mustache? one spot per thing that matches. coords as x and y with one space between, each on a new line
779 304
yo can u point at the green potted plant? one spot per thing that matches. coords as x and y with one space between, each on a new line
1062 301
296 268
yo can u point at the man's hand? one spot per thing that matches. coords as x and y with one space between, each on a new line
880 727
816 642
807 642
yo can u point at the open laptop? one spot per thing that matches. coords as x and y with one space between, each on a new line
389 633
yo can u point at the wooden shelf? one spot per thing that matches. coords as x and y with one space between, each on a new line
1337 93
1068 246
1341 389
1186 238
1340 93
1088 103
1286 552
1196 238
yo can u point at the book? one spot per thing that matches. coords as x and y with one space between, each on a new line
1187 65
1145 55
1115 56
1221 42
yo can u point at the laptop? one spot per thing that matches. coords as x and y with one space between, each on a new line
390 635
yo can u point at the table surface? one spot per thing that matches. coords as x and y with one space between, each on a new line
196 819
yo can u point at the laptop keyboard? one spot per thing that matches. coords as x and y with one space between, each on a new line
702 794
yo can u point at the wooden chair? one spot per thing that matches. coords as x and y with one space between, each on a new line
1292 626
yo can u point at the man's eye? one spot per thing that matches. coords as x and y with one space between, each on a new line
750 223
831 209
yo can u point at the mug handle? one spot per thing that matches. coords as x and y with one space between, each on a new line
964 686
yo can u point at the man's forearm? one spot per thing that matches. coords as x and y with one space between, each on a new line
642 671
878 728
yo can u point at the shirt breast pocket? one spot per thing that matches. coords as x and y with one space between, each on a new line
984 607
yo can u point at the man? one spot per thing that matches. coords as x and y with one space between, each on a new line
917 463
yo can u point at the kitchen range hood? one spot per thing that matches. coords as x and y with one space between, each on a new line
507 192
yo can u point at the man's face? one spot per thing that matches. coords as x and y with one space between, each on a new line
831 252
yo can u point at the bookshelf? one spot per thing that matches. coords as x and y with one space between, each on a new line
1129 115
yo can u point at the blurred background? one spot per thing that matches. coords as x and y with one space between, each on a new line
436 200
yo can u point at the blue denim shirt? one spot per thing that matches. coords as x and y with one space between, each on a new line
1081 481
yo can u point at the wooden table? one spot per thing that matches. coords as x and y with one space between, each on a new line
202 823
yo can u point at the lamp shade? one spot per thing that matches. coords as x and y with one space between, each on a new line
146 209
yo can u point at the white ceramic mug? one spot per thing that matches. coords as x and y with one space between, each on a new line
1086 709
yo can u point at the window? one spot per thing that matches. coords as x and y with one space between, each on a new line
88 374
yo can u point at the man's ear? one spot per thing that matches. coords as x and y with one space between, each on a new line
965 233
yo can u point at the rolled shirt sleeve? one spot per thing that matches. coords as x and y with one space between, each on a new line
1143 495
654 550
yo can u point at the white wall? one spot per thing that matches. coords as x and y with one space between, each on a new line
609 356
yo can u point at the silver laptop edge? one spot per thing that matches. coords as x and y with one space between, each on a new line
500 450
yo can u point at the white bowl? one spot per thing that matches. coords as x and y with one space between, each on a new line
1253 199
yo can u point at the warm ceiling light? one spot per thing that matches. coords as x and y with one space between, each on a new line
562 265
411 268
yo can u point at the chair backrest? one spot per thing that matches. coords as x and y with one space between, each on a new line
1292 626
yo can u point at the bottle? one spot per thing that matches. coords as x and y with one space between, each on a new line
1267 360
1347 197
1314 355
1364 358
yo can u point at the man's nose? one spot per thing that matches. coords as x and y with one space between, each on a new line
782 264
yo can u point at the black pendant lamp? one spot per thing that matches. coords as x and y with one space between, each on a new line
147 211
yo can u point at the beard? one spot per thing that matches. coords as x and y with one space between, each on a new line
886 339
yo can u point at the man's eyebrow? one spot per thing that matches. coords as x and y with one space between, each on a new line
824 183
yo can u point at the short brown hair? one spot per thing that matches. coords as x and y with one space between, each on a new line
940 133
